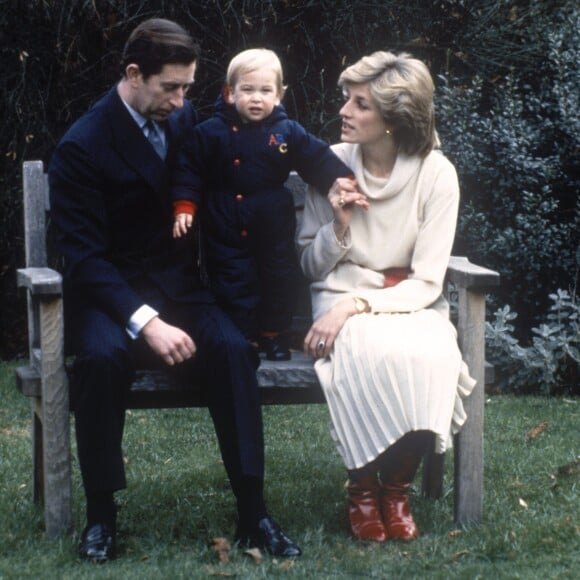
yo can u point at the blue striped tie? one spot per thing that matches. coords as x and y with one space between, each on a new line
154 138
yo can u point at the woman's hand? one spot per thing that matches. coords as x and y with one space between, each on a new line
323 332
343 197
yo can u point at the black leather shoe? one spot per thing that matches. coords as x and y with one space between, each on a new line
268 535
97 543
274 348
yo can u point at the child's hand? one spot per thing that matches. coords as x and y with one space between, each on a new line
182 223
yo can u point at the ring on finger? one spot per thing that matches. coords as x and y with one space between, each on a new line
341 200
320 346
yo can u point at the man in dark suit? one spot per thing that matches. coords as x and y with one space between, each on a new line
131 288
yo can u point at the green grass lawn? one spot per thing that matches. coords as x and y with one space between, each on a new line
178 500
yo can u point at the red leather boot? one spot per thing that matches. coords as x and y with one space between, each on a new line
397 467
397 515
364 512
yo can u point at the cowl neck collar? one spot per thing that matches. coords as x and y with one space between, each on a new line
382 188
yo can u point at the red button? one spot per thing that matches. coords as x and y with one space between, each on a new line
236 162
239 197
244 233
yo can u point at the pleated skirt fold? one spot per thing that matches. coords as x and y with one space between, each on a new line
389 374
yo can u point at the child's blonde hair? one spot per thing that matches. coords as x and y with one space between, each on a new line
251 60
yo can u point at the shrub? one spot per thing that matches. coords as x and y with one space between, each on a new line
519 210
514 139
551 363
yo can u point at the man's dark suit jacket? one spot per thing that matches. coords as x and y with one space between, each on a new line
112 211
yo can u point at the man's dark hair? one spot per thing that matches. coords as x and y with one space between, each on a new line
157 42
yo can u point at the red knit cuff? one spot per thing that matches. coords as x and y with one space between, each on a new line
184 206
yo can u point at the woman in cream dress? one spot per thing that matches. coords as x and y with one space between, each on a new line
376 251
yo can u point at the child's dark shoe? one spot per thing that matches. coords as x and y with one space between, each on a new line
274 348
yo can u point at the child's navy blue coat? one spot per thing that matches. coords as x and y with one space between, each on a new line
235 173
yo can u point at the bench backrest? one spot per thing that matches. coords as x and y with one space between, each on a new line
36 206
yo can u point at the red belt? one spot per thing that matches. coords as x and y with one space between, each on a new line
395 275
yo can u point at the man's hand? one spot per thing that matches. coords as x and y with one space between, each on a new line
169 342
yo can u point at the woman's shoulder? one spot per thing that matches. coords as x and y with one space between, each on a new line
436 165
436 159
438 171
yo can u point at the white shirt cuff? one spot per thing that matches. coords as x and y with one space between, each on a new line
139 319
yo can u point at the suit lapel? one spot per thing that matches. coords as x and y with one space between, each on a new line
132 145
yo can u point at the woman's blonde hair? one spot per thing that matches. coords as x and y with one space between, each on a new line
403 90
251 60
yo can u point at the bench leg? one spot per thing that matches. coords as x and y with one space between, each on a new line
55 422
37 452
469 441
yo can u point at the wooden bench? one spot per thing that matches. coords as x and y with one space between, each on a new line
44 378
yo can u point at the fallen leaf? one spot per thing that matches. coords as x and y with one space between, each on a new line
223 549
458 555
255 554
537 430
286 565
523 503
454 534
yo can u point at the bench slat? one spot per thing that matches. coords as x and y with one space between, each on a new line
286 382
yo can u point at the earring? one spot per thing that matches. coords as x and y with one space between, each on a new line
388 132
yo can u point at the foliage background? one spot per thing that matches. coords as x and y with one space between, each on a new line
507 80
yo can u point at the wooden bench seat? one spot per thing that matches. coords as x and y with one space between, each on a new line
44 378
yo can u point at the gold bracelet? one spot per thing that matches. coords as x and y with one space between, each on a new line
360 305
342 244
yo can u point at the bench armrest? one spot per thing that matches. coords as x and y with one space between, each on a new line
464 274
471 282
40 281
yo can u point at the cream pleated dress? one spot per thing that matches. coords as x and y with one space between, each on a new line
398 368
